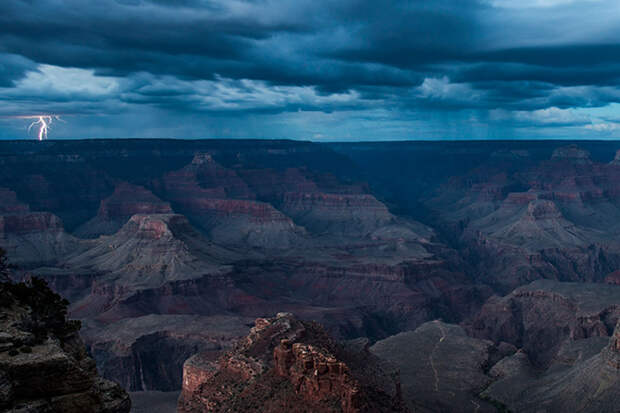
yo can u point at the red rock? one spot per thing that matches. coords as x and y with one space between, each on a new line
282 363
256 211
316 375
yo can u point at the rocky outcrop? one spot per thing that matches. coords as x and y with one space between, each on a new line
515 212
30 223
43 363
540 317
585 377
316 375
114 211
616 160
285 365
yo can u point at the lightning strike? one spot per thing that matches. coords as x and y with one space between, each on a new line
43 122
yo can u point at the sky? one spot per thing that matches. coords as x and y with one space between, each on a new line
324 70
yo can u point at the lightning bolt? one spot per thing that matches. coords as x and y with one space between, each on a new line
42 123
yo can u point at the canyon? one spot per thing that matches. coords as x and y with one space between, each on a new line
477 270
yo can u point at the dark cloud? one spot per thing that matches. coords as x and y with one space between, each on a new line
409 57
12 68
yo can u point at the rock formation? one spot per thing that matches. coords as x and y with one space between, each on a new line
31 238
222 204
286 365
585 377
557 218
114 211
540 317
149 252
44 366
347 214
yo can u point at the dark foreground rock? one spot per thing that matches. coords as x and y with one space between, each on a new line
285 364
44 366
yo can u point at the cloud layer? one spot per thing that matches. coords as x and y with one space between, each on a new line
334 69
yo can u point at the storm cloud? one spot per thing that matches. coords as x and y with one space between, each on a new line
336 69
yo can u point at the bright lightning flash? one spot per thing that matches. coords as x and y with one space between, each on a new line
43 122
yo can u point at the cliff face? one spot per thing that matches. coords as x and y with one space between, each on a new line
43 362
585 377
148 352
286 365
540 317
